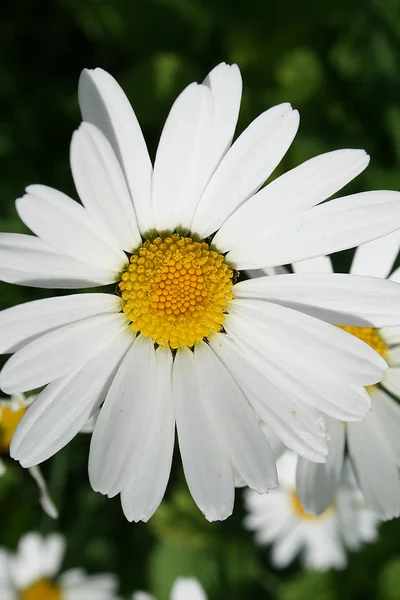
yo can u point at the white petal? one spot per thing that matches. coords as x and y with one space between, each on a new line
391 380
181 168
387 412
376 258
337 399
104 104
68 227
336 225
298 426
334 298
28 260
145 490
187 589
45 499
316 484
52 554
206 464
59 352
307 343
320 264
122 429
23 323
287 547
291 194
101 187
391 335
375 466
64 406
246 166
234 421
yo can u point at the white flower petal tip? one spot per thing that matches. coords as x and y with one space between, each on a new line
45 499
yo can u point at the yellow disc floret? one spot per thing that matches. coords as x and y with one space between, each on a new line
176 290
41 590
9 420
300 513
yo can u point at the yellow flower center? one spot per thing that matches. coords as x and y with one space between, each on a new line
41 590
300 513
9 420
370 336
176 290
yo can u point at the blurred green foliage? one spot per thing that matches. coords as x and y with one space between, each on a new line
339 63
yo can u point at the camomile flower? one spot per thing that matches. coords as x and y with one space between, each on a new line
280 520
183 589
374 443
181 344
31 573
11 412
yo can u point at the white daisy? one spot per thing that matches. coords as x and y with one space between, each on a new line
11 412
31 573
184 345
374 443
279 519
183 589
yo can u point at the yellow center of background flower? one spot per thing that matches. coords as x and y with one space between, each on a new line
41 590
176 290
370 336
9 419
300 513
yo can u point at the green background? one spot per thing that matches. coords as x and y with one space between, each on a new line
338 62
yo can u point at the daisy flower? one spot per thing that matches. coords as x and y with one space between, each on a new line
279 519
30 573
11 413
374 443
181 344
183 589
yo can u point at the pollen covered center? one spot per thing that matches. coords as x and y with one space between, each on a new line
43 589
176 290
9 420
300 513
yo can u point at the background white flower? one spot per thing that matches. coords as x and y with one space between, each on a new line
279 519
31 573
183 589
269 363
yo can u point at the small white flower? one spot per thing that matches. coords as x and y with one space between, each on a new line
183 589
11 413
31 573
184 346
374 443
279 519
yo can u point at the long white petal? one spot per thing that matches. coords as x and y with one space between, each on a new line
23 323
387 412
300 427
336 225
64 406
59 352
187 589
181 168
335 298
291 194
246 166
101 187
142 495
391 380
376 258
375 466
234 421
122 429
316 484
207 466
45 499
104 104
28 260
68 227
307 342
